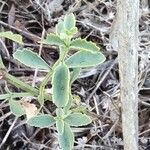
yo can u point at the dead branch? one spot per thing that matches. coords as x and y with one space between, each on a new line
127 22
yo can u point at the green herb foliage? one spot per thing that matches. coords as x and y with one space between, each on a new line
62 74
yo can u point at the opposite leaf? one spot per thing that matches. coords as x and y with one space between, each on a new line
69 21
30 59
74 74
72 32
53 39
41 121
68 106
82 44
16 108
14 37
85 59
60 88
66 140
78 119
60 126
59 112
60 28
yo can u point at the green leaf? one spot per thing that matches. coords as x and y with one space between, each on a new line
42 121
14 37
60 126
66 140
60 85
30 59
60 28
59 112
53 39
73 31
80 109
78 119
16 108
82 44
68 106
64 37
69 21
85 59
74 74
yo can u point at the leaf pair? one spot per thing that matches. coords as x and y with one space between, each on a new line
46 120
78 60
66 27
65 134
64 32
66 139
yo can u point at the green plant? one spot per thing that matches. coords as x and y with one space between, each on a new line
62 74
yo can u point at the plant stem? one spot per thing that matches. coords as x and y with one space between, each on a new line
13 80
20 84
63 52
42 87
14 95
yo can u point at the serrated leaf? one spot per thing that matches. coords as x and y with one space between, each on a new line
42 121
60 126
82 44
14 37
16 108
74 74
30 59
66 140
60 28
78 119
60 85
53 39
85 59
69 21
